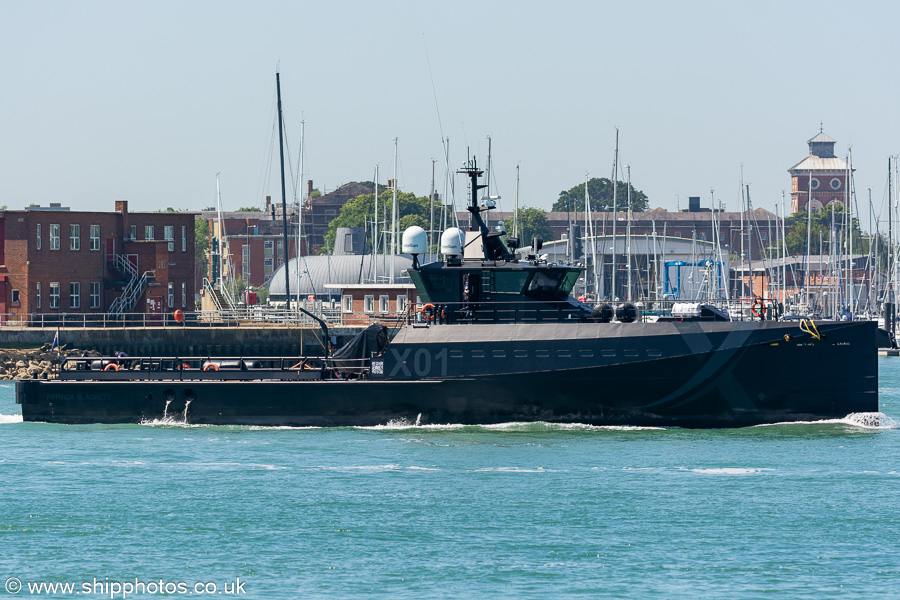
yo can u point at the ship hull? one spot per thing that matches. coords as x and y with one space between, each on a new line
678 374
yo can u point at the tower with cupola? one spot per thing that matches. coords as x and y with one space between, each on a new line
820 179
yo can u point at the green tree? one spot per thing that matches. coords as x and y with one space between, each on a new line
262 294
532 222
411 210
601 191
201 245
821 230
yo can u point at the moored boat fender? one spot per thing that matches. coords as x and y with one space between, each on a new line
626 313
602 313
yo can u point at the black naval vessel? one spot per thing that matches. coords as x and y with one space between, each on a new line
498 339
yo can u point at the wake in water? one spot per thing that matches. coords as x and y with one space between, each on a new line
10 419
523 427
870 420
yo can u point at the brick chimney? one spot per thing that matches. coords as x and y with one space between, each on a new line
122 207
309 187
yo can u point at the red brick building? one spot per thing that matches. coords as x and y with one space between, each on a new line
824 172
320 211
254 242
386 303
56 261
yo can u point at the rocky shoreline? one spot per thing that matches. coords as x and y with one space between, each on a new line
34 363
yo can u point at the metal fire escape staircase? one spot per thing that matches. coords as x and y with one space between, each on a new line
137 283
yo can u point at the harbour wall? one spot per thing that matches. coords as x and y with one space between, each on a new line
182 341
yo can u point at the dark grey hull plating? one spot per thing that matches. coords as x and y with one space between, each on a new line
700 374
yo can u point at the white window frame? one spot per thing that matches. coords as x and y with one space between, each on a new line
14 296
171 294
54 236
38 294
54 294
133 231
95 237
74 237
384 303
95 294
38 236
268 265
169 236
183 238
245 262
183 295
149 233
402 303
369 304
74 294
347 304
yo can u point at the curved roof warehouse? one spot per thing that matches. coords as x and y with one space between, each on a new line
316 271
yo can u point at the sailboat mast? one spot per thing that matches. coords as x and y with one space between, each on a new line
394 216
431 206
749 242
516 214
299 211
889 295
783 253
375 234
808 238
487 183
220 236
743 257
287 279
615 222
628 235
590 224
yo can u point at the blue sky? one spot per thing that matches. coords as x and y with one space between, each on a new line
105 101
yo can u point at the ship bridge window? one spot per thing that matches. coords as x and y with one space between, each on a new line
440 286
510 282
543 284
546 285
569 282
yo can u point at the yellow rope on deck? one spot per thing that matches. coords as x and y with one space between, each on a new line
810 328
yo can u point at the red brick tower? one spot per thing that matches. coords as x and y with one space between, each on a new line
824 172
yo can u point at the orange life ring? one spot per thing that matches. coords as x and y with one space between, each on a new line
758 308
428 312
185 366
111 367
211 367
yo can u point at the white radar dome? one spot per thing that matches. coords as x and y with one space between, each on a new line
452 242
415 241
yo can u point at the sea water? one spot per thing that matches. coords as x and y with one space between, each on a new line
806 510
